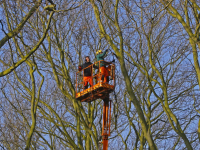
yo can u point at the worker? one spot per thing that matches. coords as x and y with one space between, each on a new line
87 72
102 68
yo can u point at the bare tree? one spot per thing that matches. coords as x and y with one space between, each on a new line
155 87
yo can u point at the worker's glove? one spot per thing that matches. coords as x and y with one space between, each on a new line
79 68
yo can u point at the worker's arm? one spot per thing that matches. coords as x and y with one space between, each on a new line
103 54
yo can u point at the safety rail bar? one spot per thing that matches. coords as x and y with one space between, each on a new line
97 76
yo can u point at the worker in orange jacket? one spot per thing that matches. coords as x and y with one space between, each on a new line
87 72
102 68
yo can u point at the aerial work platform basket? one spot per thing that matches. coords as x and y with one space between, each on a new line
99 88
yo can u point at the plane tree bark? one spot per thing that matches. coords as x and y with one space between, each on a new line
155 73
119 51
155 86
16 31
189 19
